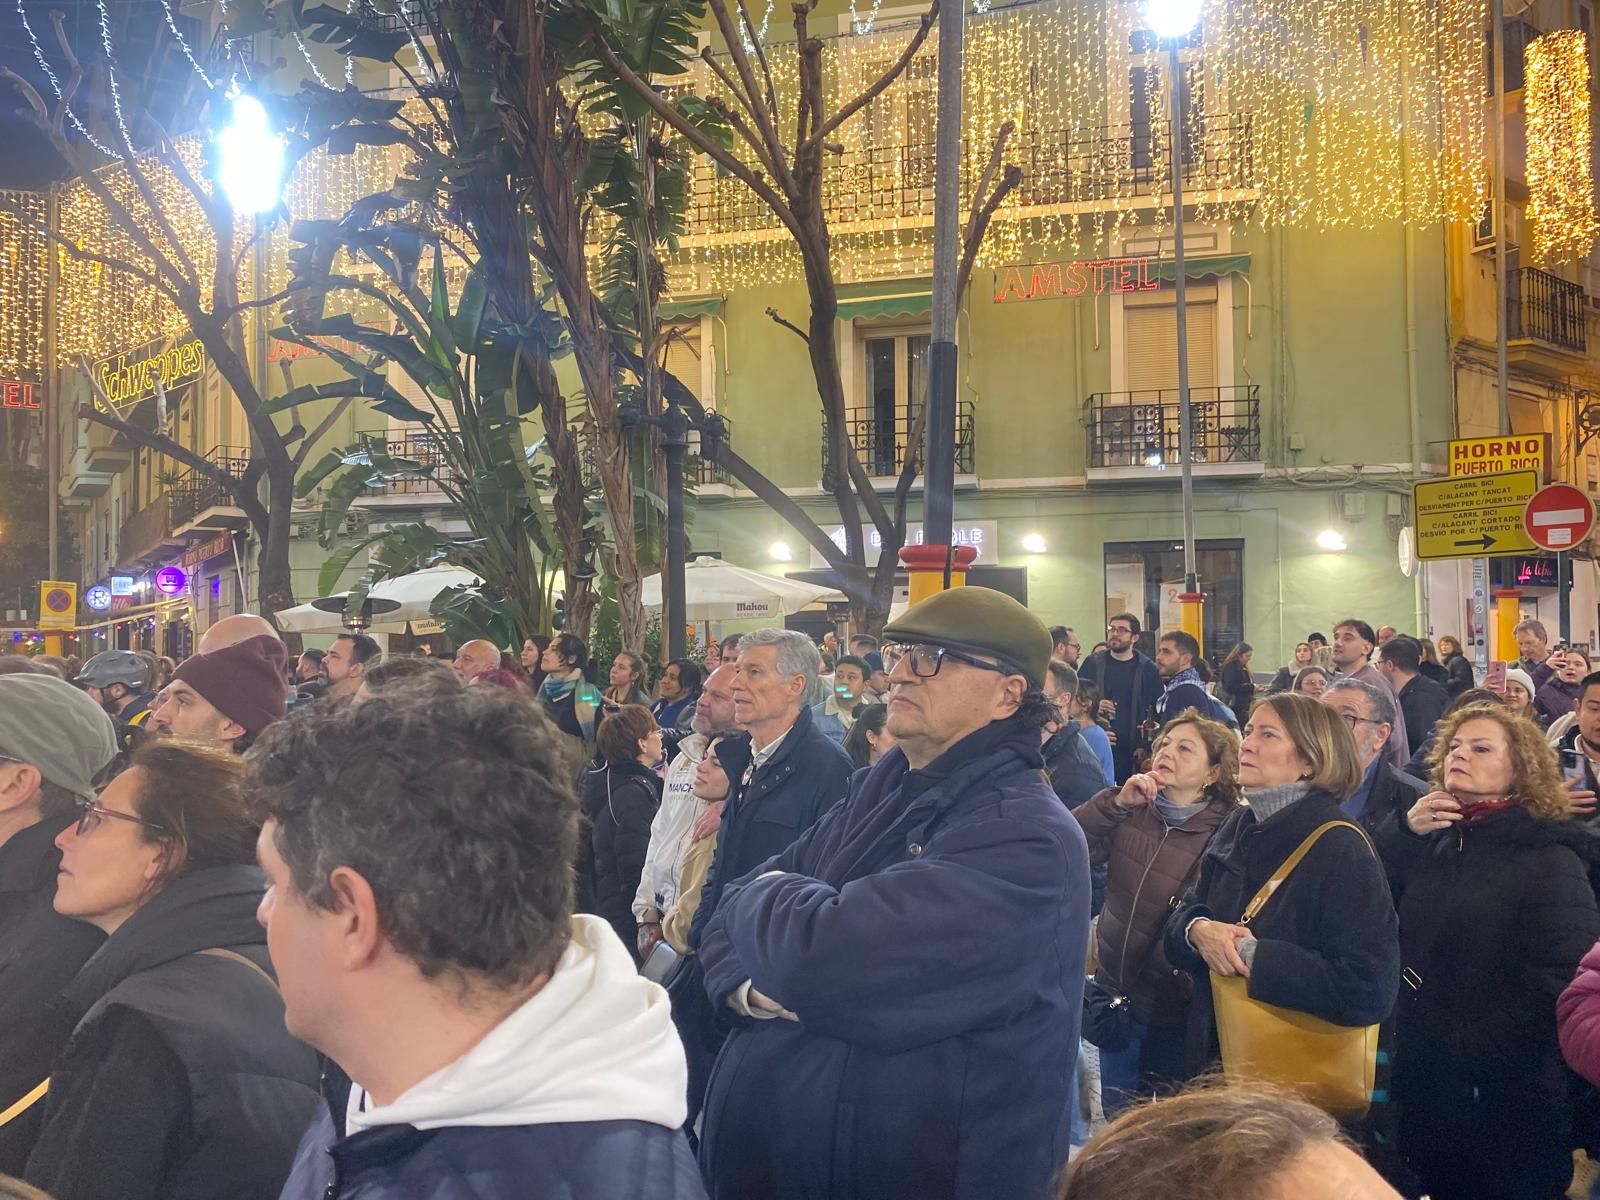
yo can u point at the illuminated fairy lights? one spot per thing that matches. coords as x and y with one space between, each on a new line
23 269
1320 114
172 24
111 75
55 84
1561 208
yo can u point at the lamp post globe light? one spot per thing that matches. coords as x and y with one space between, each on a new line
250 158
1174 21
1171 20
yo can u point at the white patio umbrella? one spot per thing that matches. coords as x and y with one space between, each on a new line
414 593
715 590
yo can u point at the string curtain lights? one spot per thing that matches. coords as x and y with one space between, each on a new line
1322 114
23 264
1561 209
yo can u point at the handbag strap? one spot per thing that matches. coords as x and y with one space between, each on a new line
235 956
1289 864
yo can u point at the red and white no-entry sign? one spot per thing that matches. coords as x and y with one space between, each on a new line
1558 517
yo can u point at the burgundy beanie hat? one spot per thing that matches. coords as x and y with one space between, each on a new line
244 682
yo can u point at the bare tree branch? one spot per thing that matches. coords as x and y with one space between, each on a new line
884 80
792 328
984 205
761 59
764 119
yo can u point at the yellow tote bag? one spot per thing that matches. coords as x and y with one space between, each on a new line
1331 1066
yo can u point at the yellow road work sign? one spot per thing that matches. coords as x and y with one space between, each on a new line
1475 516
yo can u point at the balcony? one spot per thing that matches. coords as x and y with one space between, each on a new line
147 537
202 505
424 450
1131 435
1063 170
703 472
882 441
1544 320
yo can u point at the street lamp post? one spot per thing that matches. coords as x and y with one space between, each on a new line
1173 21
675 425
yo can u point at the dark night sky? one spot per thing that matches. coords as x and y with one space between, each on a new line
144 47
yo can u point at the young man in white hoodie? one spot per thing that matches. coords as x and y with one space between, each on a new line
483 1042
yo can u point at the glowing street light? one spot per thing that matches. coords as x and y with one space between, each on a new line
250 158
1171 19
1034 543
1330 539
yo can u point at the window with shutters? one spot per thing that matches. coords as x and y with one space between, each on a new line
893 387
684 359
1150 341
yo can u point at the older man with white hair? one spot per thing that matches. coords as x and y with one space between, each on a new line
796 771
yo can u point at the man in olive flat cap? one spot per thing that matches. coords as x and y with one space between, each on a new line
54 742
908 976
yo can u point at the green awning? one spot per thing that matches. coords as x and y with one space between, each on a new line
899 300
1196 269
691 306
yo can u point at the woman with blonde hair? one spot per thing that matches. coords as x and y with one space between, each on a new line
1151 833
1325 943
1496 911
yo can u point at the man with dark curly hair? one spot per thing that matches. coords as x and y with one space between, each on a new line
480 1036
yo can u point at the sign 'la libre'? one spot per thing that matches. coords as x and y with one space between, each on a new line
132 376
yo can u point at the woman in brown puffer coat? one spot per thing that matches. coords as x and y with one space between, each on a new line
1152 832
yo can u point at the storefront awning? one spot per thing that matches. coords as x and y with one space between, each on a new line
1198 269
691 306
891 302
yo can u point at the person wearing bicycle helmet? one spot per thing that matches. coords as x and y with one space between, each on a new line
119 681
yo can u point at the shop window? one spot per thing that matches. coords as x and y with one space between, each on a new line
1144 578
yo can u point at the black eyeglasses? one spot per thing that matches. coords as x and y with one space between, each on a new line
925 660
1352 720
90 815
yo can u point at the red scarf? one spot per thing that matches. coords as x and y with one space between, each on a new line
1473 813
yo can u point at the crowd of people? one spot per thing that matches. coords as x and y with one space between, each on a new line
958 911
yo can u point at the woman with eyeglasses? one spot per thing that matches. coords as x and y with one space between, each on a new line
179 1081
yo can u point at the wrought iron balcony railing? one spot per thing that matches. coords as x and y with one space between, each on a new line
1545 307
882 441
1140 429
193 493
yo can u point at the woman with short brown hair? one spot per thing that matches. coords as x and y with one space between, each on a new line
1496 911
1151 833
1325 943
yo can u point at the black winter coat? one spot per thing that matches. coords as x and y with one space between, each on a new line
1327 941
1460 673
1075 773
40 952
619 802
1237 689
1494 918
569 1160
180 1081
1422 703
807 774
